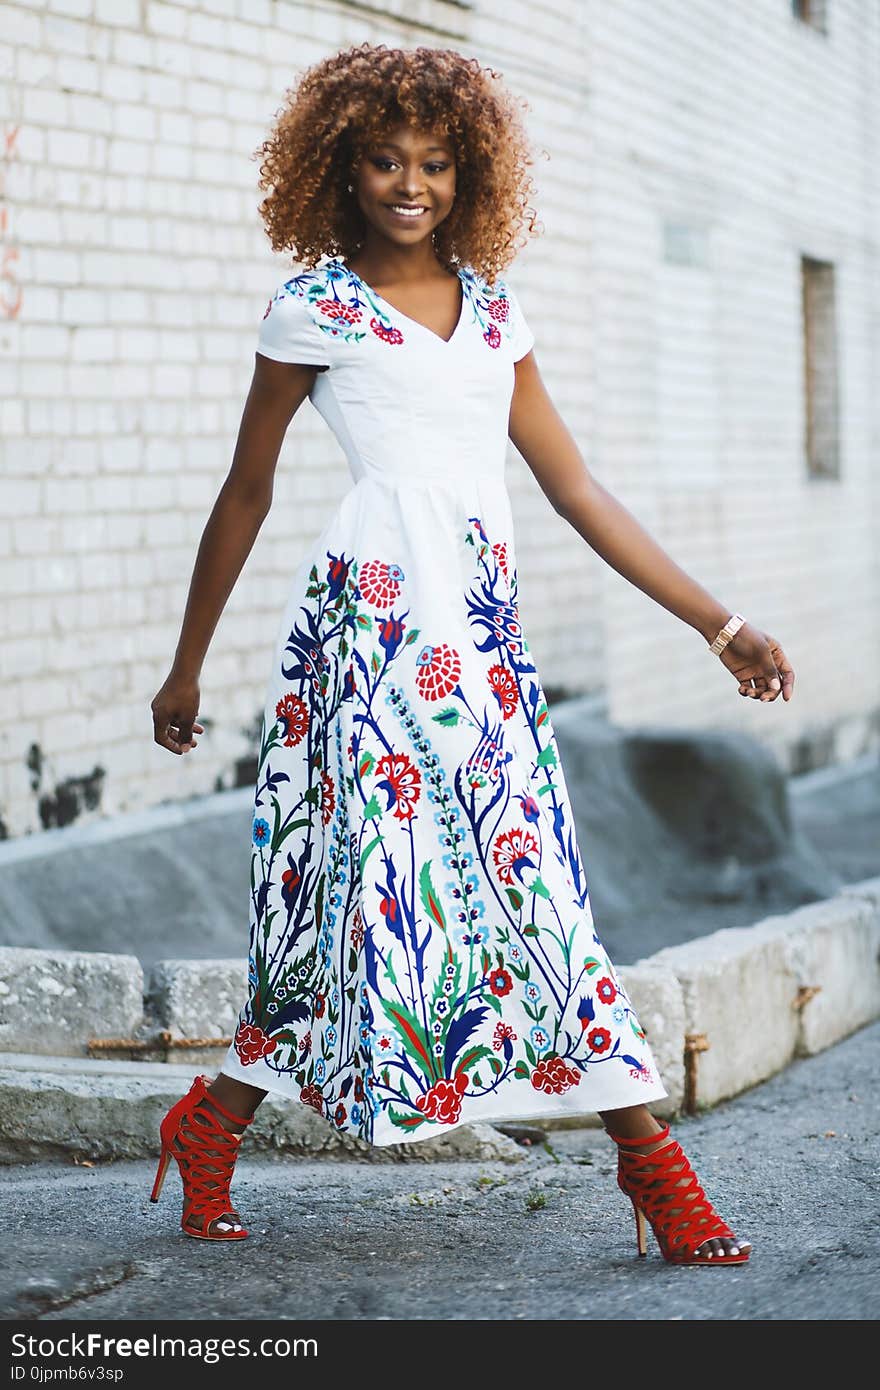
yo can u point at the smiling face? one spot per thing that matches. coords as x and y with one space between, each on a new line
406 169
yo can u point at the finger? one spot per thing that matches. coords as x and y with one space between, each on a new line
165 741
784 667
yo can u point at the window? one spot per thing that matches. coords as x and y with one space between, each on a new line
812 12
820 368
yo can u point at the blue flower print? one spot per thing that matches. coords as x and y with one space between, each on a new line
262 832
540 1038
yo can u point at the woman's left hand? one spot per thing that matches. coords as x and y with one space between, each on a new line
759 664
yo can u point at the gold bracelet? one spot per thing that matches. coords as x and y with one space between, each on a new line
729 630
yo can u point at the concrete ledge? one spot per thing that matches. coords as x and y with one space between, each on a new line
657 998
198 998
787 986
54 1001
101 1110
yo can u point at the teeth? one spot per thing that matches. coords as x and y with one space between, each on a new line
408 212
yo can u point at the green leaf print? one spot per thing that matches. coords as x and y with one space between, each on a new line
405 1121
412 1035
521 1070
591 965
516 898
365 854
430 899
447 717
546 757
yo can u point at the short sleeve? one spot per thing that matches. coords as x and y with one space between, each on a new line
288 333
522 339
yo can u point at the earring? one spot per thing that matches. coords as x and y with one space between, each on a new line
350 188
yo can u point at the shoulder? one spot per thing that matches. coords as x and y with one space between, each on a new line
306 315
496 304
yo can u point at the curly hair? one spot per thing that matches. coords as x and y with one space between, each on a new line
343 104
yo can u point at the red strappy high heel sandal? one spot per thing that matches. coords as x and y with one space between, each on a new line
205 1152
665 1191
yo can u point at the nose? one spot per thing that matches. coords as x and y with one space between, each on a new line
411 184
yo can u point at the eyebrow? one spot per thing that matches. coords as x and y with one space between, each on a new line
390 145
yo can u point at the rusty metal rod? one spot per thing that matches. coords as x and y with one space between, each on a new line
694 1044
159 1041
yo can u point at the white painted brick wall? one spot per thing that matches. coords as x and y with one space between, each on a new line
128 182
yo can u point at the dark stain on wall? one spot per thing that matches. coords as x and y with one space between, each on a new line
67 800
246 767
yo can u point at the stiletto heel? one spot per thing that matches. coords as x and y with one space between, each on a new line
641 1230
164 1160
205 1152
665 1192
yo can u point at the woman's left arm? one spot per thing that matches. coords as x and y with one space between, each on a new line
545 442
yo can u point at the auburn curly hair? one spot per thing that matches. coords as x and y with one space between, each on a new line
343 104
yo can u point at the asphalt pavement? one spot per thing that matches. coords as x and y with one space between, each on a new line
792 1165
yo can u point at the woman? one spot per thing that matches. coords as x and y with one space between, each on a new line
423 951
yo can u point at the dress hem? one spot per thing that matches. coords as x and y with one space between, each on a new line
261 1076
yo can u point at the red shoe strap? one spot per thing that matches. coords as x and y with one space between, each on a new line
638 1143
212 1100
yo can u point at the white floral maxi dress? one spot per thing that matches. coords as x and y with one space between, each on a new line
422 948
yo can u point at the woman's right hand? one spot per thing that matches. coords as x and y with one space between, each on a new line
174 708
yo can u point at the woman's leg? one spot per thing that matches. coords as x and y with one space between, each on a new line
637 1122
236 1096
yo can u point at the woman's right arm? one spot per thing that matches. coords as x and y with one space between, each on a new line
277 391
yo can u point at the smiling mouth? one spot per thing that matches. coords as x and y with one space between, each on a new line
402 210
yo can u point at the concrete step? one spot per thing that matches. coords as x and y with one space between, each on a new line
85 1110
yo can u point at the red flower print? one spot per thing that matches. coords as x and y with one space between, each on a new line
294 715
502 1032
359 1088
290 880
339 1114
252 1044
499 550
438 671
511 852
379 583
319 1004
599 1039
306 1044
553 1075
500 982
402 781
443 1101
357 930
310 1095
504 689
328 797
499 309
641 1072
606 991
388 335
492 336
341 313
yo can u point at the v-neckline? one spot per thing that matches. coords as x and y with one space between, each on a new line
444 342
